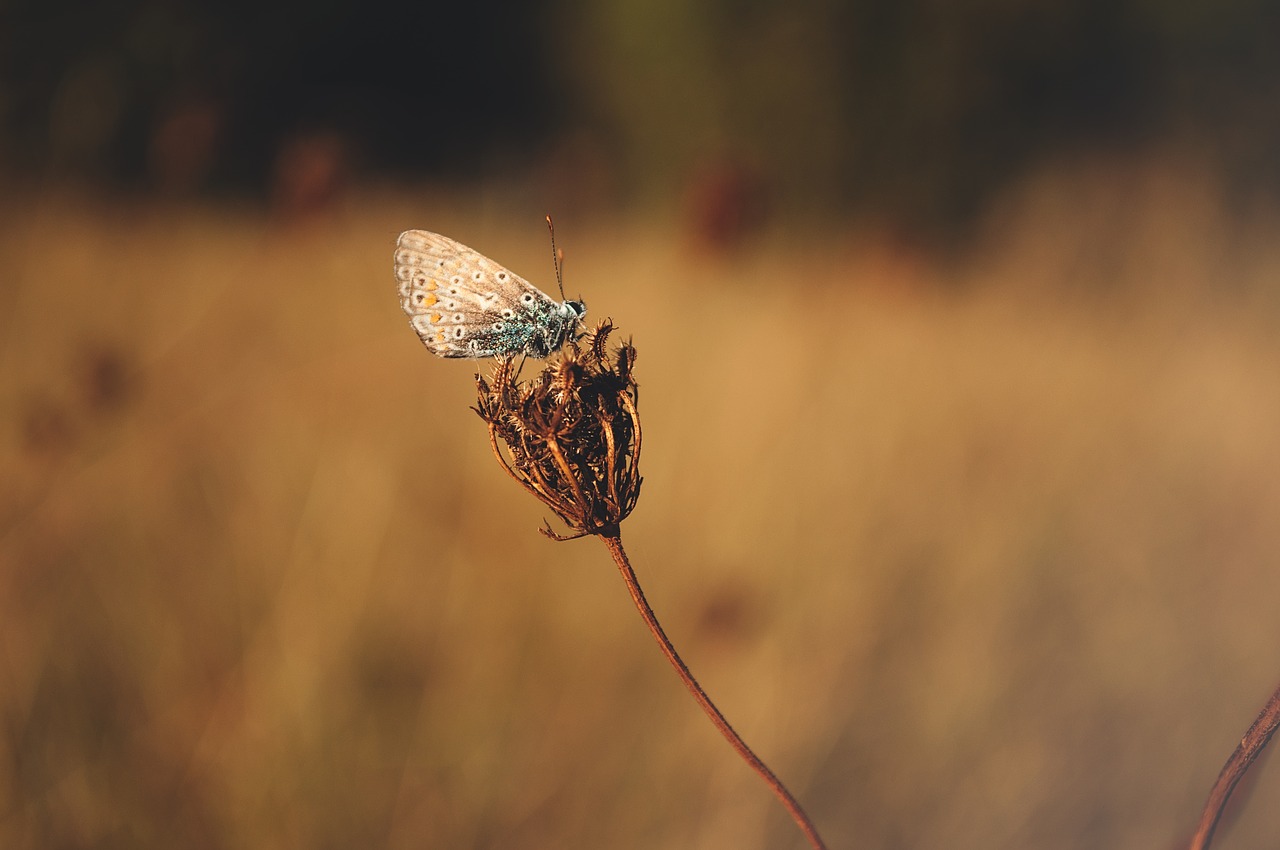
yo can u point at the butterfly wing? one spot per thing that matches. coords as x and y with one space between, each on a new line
461 303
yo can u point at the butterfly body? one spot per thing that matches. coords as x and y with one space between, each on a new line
462 304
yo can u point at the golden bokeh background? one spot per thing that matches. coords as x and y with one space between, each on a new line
968 525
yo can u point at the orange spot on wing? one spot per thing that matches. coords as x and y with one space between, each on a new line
435 317
432 286
429 300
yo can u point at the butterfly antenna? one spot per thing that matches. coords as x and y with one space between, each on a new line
556 258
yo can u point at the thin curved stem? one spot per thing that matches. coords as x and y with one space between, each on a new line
1251 746
614 542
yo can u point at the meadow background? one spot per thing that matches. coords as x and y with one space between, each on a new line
958 351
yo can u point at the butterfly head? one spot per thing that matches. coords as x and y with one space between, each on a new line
576 308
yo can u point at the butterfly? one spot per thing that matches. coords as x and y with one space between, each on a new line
462 304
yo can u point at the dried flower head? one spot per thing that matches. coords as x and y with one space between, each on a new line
572 438
572 432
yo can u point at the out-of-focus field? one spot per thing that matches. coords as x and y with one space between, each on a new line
975 555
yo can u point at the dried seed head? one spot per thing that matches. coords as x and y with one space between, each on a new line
572 432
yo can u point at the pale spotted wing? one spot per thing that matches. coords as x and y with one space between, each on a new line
462 304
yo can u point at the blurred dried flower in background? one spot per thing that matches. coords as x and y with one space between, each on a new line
572 433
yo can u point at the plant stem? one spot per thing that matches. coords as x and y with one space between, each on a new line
614 542
1251 746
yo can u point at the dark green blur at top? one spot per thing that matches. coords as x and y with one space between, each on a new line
915 110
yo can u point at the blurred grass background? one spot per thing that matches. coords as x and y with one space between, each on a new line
958 353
